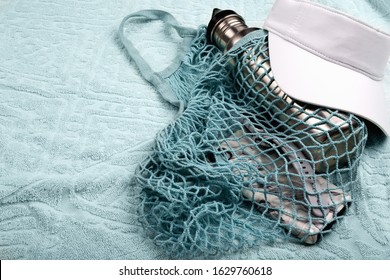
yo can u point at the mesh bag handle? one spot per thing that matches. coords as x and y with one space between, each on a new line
158 79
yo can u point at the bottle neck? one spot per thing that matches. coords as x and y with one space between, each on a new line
225 30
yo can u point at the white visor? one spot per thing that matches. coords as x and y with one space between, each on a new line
324 57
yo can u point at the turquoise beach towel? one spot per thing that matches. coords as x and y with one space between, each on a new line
76 119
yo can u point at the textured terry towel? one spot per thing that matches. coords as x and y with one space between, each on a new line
76 118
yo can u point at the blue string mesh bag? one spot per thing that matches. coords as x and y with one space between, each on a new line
236 168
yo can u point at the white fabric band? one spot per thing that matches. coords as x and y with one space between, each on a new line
331 35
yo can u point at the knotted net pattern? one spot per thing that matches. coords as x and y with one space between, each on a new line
240 165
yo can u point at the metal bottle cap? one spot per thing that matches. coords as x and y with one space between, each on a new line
226 28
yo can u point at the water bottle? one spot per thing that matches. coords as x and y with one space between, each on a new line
327 136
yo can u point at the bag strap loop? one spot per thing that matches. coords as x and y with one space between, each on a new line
158 79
